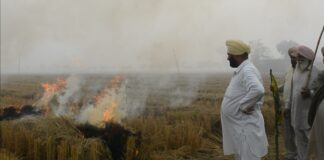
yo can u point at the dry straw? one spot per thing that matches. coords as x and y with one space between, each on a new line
49 139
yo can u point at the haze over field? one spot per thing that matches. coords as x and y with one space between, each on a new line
69 36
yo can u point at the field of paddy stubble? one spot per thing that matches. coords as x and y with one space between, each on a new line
177 115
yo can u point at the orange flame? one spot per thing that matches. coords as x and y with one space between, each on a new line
52 88
108 115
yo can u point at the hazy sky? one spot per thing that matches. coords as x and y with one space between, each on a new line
146 35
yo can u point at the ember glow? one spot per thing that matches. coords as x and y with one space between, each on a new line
108 115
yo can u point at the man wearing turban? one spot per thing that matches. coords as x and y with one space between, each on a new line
302 97
242 121
290 144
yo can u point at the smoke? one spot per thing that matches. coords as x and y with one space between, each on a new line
71 93
90 115
75 91
143 36
260 51
181 90
115 98
136 94
107 107
284 46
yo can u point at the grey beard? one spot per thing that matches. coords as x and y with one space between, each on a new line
303 66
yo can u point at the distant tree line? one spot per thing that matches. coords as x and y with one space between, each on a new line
263 59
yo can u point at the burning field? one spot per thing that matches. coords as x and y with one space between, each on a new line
116 117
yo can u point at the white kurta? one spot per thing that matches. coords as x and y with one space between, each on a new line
289 134
245 90
300 109
300 106
288 87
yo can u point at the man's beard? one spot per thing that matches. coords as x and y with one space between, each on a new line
303 65
233 63
293 64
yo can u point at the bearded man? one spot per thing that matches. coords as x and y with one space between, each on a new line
289 135
302 97
242 121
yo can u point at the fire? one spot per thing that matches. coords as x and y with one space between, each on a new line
108 100
108 115
105 107
50 89
111 110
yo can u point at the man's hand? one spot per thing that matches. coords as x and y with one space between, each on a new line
248 110
305 92
286 113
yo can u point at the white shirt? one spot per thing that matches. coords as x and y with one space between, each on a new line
245 90
288 87
300 106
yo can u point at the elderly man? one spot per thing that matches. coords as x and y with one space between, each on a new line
242 121
316 119
290 144
301 98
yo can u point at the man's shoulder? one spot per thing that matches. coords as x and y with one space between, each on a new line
250 67
250 70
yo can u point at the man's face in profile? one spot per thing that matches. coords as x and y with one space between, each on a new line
233 62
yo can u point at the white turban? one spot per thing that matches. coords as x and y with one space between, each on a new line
305 52
237 47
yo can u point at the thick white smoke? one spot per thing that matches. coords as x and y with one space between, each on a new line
71 94
143 35
120 98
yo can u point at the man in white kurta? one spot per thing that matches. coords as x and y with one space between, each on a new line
289 135
301 98
242 121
